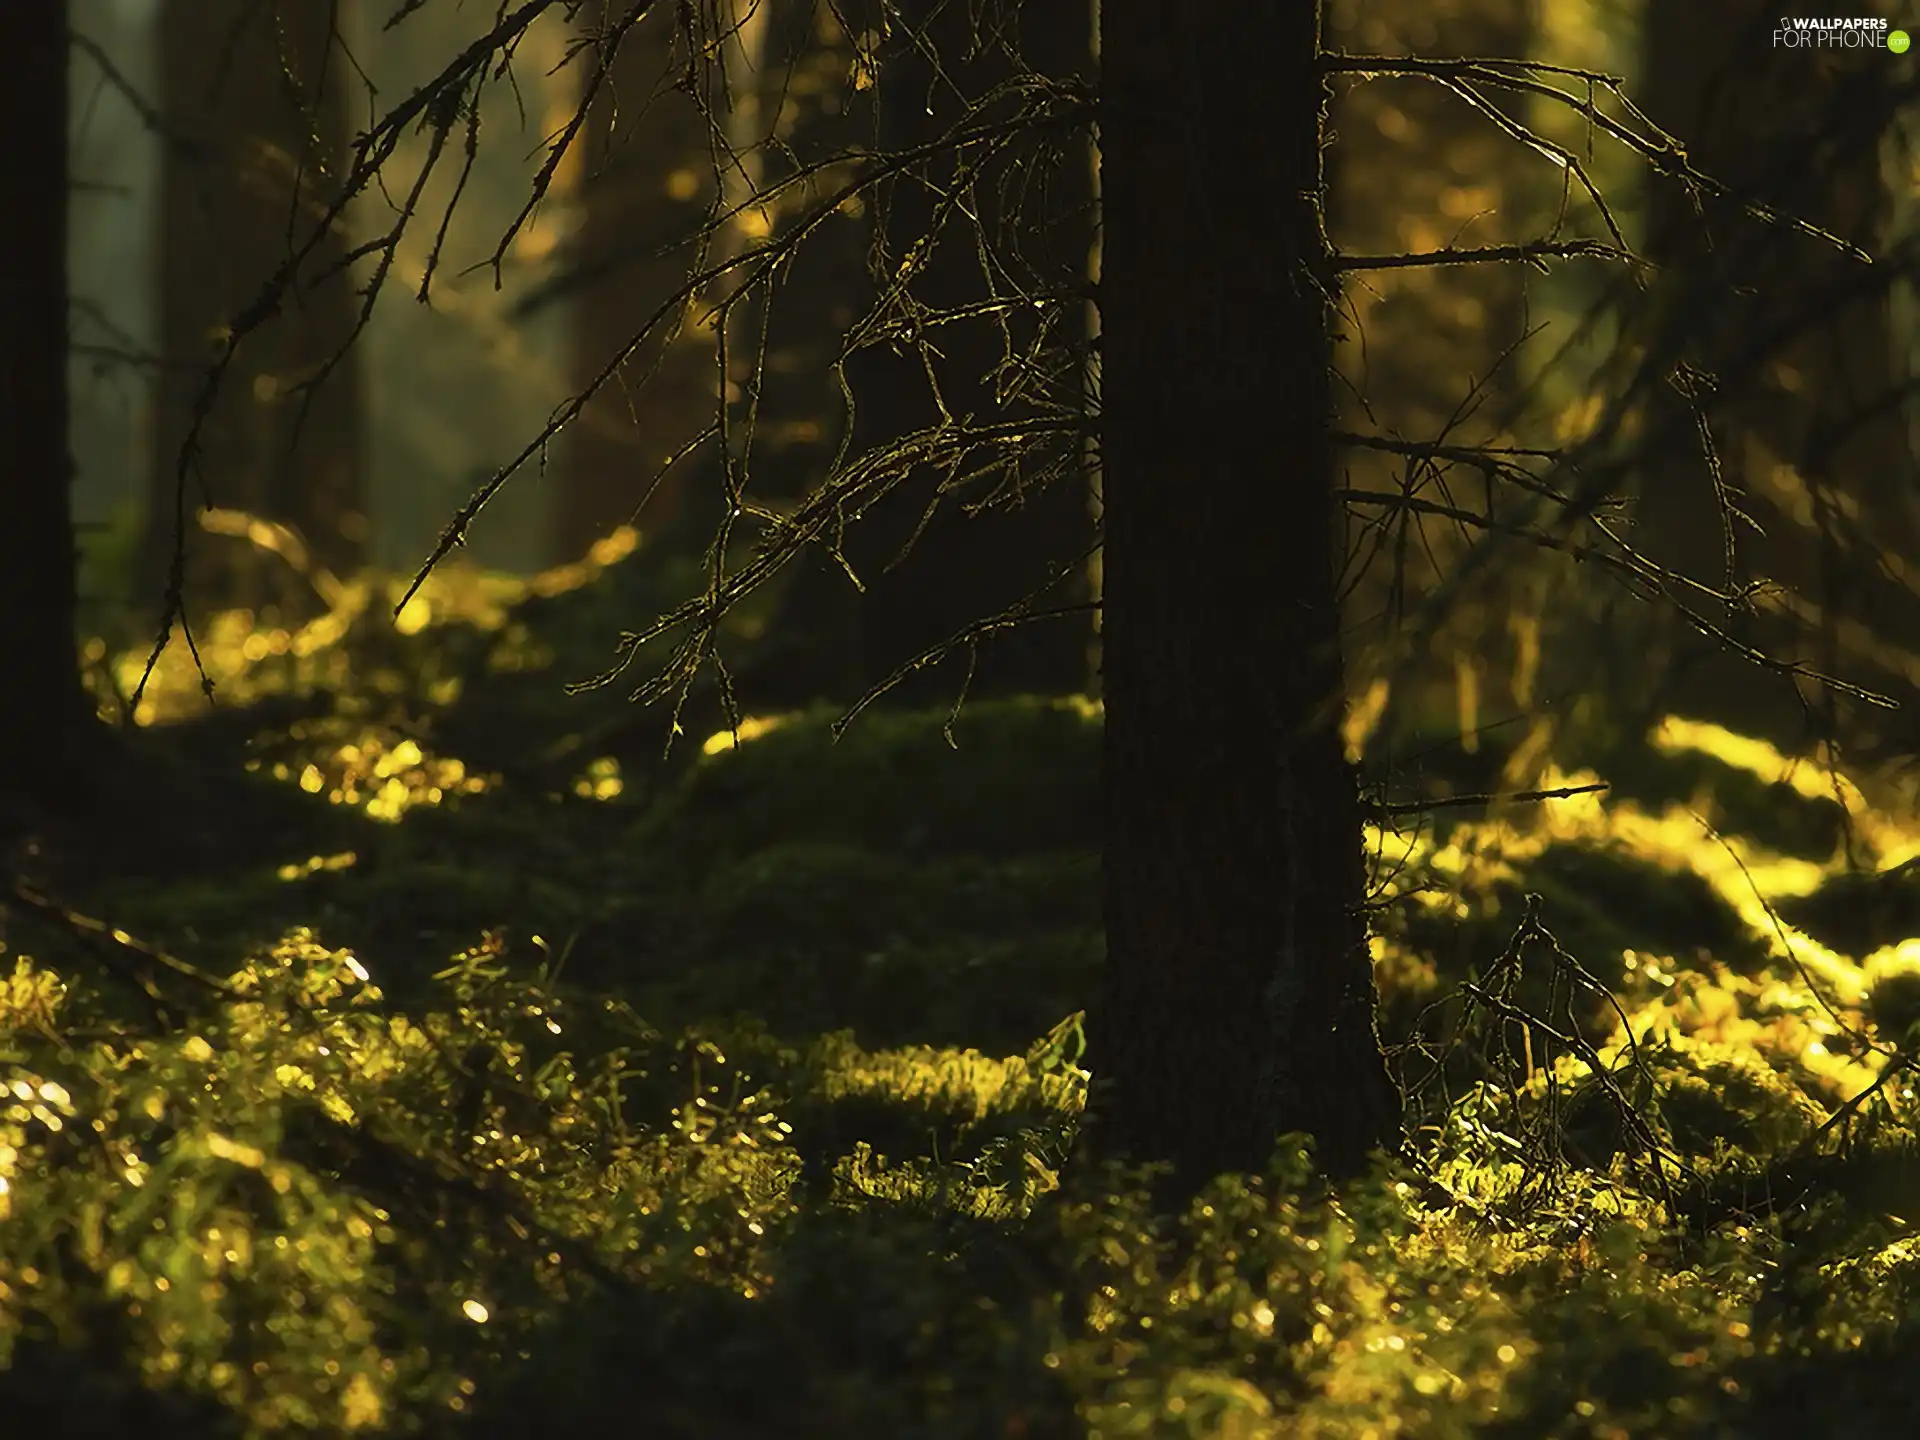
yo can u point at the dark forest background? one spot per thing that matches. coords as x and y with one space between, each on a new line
960 718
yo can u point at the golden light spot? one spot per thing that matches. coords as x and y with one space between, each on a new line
403 756
239 1153
360 1406
474 1311
1363 716
536 240
751 728
602 780
1420 235
1460 201
413 616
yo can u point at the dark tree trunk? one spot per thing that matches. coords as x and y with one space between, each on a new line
926 584
812 99
256 96
46 707
1804 406
1240 1000
647 187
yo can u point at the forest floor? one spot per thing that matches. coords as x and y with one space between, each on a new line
449 1055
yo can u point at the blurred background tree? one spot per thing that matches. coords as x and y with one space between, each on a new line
950 297
254 104
960 247
454 382
1790 466
46 708
1434 354
656 135
525 304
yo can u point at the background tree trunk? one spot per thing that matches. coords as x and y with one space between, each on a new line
1239 996
46 707
1429 351
256 96
817 103
647 186
1035 209
848 77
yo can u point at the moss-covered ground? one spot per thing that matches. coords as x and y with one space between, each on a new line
467 1067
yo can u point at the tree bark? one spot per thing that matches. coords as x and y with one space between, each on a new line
46 707
647 188
255 98
1239 1000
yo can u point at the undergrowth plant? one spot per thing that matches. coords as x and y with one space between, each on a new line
683 1107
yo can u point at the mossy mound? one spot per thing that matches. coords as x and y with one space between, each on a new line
1602 900
953 1329
1711 1102
1732 798
1893 995
841 898
966 950
886 881
1857 914
1598 901
1018 776
1719 1100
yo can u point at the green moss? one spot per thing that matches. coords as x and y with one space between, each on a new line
1717 1100
1716 1103
813 937
779 1129
1603 899
1021 776
1732 799
837 897
1894 1001
1856 913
